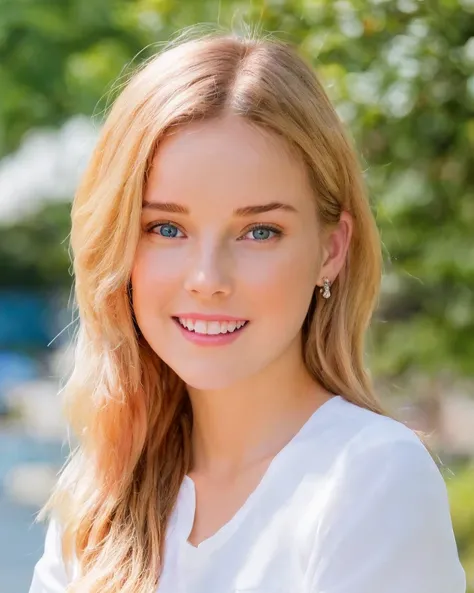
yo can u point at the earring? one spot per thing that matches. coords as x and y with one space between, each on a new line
325 289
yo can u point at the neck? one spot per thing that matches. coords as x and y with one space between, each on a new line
247 422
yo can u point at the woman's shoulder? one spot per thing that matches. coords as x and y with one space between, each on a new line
355 429
385 507
372 454
355 444
50 572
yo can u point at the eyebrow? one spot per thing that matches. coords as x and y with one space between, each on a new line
242 212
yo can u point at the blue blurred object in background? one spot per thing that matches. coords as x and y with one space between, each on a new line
15 368
26 319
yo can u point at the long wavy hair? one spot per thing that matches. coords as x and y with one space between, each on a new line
130 412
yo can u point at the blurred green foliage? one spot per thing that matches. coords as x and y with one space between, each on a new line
34 251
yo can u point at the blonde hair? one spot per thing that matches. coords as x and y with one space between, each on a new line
129 411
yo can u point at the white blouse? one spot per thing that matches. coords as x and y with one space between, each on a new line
353 503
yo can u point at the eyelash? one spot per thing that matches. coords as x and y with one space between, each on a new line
276 230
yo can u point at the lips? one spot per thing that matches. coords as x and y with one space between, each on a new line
211 327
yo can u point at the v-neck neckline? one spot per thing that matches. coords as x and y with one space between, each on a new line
226 530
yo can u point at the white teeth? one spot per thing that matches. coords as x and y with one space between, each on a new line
211 328
200 326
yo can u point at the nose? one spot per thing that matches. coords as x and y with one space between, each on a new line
209 272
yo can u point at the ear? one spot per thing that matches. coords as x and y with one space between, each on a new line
336 246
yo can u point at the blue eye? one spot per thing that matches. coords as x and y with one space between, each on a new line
168 230
263 233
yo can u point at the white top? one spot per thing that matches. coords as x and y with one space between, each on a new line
353 503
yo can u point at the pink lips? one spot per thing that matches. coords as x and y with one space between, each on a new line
209 340
204 317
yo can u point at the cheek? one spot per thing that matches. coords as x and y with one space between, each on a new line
153 264
283 284
154 279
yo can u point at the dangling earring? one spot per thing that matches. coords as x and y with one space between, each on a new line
325 289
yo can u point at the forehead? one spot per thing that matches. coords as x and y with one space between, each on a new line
225 163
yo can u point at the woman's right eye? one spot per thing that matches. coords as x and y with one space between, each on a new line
167 230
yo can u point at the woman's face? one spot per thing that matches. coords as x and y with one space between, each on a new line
230 235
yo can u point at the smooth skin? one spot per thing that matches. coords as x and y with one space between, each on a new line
203 251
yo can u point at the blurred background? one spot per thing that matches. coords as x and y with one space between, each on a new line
401 73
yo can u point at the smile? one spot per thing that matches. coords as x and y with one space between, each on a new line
210 332
211 327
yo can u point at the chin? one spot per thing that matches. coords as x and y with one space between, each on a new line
201 382
209 377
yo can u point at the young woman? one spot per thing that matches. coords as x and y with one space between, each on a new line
227 265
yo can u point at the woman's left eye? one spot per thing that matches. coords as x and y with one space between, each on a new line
262 233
